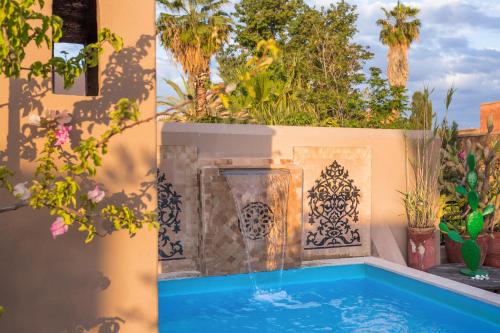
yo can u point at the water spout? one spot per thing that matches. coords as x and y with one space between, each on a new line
261 199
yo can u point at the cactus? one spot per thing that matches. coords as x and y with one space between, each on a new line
471 252
454 170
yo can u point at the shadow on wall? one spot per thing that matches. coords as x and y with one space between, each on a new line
123 76
24 97
52 286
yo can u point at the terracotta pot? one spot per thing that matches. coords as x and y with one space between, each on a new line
421 248
493 256
453 253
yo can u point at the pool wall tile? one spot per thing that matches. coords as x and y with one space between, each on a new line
446 297
266 279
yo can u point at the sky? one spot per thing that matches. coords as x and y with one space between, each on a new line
459 46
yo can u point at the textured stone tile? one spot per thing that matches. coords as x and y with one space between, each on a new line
223 247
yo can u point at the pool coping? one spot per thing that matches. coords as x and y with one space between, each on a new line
434 280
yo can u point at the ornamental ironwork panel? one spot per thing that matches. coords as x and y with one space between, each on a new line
256 220
333 210
169 209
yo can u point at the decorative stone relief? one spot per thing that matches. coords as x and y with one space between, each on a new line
336 202
333 210
178 236
258 219
169 209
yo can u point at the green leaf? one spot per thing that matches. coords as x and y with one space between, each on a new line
488 210
471 253
471 161
443 227
455 236
472 179
473 200
461 190
2 310
475 224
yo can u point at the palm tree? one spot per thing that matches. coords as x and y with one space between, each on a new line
183 96
194 30
400 28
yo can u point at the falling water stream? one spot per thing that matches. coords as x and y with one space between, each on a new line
261 199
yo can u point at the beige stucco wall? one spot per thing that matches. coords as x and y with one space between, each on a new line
388 149
62 285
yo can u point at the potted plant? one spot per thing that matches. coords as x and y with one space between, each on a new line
454 219
493 255
475 215
455 170
421 215
422 202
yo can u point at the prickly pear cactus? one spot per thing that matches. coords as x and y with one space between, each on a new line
471 253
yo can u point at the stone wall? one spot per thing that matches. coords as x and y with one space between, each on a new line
359 171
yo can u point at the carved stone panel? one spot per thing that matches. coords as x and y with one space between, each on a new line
336 202
169 210
257 220
178 236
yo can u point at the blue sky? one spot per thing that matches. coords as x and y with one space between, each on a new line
459 46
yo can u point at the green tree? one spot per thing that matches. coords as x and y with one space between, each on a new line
256 20
331 62
261 95
421 110
318 58
194 30
399 29
385 106
265 19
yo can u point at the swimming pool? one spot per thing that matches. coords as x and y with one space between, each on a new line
344 298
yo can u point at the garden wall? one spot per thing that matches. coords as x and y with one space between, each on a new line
376 161
62 285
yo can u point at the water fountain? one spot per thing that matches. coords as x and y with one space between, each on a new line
261 197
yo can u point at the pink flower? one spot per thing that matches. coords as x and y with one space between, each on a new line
461 155
58 227
62 134
96 195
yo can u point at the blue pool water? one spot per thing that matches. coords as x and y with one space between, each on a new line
353 298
